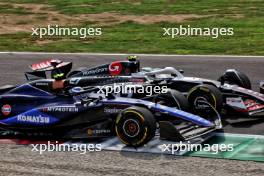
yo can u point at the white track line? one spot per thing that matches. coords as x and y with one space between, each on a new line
120 54
240 135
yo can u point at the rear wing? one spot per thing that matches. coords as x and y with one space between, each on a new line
42 69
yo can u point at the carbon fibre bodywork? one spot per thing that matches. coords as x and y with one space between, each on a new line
236 100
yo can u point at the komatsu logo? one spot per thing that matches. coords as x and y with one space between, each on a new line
33 119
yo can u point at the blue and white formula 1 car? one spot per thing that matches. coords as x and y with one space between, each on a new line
40 109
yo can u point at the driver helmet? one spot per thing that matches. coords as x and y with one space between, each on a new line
132 58
57 74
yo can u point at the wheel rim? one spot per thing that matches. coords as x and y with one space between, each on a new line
131 128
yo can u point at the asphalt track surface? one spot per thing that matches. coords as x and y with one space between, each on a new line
19 160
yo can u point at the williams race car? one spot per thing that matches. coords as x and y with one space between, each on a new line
230 94
42 108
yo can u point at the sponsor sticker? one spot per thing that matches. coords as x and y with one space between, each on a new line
115 68
42 84
41 65
91 132
112 110
236 102
33 119
6 109
95 71
60 109
256 107
75 81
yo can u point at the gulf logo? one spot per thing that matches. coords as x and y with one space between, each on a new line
6 109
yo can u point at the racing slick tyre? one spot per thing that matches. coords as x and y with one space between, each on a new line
173 98
135 126
246 82
235 77
206 93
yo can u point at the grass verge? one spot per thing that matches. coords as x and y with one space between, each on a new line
246 17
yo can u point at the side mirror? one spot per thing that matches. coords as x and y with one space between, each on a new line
181 71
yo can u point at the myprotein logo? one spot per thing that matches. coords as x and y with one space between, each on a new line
61 109
33 119
115 68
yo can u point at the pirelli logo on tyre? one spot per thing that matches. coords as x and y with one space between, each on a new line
204 89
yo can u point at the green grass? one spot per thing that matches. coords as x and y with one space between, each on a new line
131 37
8 9
154 6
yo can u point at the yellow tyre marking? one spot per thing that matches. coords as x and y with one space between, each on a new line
118 118
214 100
144 137
205 89
120 137
132 111
191 91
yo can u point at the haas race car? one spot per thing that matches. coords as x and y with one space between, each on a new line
231 94
44 108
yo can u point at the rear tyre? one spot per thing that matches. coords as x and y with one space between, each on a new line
246 82
207 93
135 126
235 77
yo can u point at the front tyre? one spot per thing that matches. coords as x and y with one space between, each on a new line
207 93
135 126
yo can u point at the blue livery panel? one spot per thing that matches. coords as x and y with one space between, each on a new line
33 118
172 111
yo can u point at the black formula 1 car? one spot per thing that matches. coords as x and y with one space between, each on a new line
230 94
43 108
261 87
